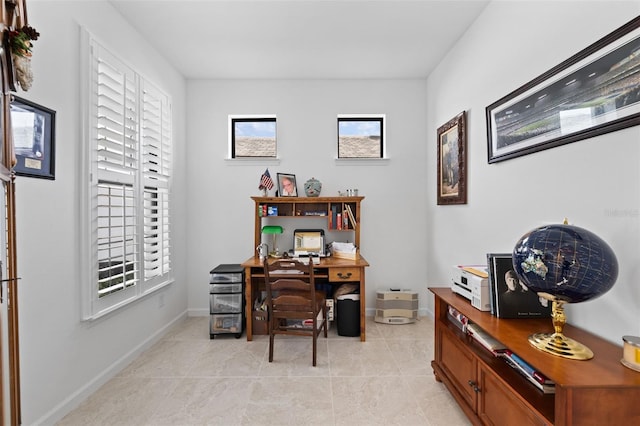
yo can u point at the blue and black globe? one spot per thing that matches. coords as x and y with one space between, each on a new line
565 263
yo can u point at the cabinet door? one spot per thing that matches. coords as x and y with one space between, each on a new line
460 366
498 405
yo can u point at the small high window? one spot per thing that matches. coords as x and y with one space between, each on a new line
361 136
252 136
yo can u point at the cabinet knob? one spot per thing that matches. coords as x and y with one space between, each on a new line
471 383
476 389
344 276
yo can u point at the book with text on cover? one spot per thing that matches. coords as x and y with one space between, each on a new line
508 295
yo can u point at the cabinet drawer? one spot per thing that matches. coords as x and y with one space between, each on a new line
344 274
225 288
225 302
225 323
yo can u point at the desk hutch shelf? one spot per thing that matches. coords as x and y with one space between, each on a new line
595 392
307 208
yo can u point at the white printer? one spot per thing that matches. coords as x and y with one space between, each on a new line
472 283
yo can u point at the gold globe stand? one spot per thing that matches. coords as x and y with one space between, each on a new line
557 343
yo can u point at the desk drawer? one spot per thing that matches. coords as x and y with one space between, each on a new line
344 274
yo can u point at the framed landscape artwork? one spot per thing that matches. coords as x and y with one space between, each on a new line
594 92
452 161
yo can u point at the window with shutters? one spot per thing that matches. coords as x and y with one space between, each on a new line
128 165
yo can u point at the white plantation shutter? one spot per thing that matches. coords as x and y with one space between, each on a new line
156 154
129 129
117 156
117 242
117 143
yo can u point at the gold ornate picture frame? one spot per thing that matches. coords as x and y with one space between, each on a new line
452 161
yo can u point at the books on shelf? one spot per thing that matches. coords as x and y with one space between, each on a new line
334 217
538 379
491 344
534 376
341 217
351 216
457 319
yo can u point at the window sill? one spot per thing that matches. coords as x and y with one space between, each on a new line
362 161
257 161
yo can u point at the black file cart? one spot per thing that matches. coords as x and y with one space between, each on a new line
226 300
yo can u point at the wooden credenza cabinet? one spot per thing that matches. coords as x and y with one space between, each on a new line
600 391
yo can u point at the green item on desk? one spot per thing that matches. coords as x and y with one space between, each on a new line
272 229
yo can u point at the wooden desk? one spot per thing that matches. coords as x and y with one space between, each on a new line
334 269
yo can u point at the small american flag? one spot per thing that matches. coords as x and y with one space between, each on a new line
265 181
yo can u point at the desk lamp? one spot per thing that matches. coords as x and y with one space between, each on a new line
273 230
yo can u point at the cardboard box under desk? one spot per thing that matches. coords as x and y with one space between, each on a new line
259 322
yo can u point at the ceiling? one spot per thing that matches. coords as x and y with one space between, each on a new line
302 39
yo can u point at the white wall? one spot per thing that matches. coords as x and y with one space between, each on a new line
62 357
393 211
409 241
594 183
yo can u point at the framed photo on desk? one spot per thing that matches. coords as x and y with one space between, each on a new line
287 185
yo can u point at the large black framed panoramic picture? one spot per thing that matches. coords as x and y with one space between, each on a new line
591 93
34 131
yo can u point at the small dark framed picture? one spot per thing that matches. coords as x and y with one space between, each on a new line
452 161
510 296
287 185
34 131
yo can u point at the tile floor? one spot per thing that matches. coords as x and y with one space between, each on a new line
188 379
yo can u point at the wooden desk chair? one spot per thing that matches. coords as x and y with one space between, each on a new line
291 299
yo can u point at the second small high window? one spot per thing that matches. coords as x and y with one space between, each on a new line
361 136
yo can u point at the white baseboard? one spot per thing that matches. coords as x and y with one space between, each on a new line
76 398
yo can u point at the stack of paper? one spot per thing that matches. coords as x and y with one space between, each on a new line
344 250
